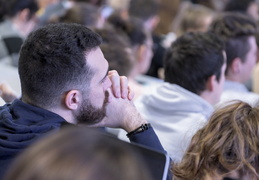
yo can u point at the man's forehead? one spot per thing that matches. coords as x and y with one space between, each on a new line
94 55
95 59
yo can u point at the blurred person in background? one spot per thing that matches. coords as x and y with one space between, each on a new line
238 31
194 78
79 154
19 20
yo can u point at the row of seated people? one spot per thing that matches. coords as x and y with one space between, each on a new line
21 17
240 59
199 76
225 148
202 52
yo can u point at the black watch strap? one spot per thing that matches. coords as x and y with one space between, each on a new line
140 129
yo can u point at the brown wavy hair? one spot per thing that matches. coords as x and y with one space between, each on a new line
229 143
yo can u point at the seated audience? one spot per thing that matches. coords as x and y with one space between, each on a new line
226 147
141 47
238 33
190 18
79 154
65 81
194 78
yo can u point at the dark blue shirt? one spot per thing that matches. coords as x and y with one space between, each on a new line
21 124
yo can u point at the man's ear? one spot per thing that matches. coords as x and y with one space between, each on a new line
73 99
211 83
236 65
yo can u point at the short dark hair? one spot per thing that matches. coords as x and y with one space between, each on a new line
115 48
192 59
133 28
235 29
238 5
15 6
81 13
118 57
52 62
97 3
144 9
206 3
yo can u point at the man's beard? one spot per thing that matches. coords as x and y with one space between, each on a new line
88 114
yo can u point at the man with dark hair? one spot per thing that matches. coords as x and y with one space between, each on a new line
19 21
194 76
65 80
238 33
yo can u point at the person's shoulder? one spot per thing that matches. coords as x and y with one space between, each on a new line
232 95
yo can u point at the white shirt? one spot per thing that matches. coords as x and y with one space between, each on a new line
237 91
175 114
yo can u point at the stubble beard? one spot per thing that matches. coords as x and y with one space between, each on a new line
89 114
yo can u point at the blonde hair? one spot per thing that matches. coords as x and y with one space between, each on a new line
192 17
228 143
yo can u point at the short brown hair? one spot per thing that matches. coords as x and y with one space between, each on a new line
235 29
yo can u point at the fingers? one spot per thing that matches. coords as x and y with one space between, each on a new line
131 93
119 85
124 87
115 79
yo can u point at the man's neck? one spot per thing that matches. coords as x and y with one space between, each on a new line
209 97
65 114
61 111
